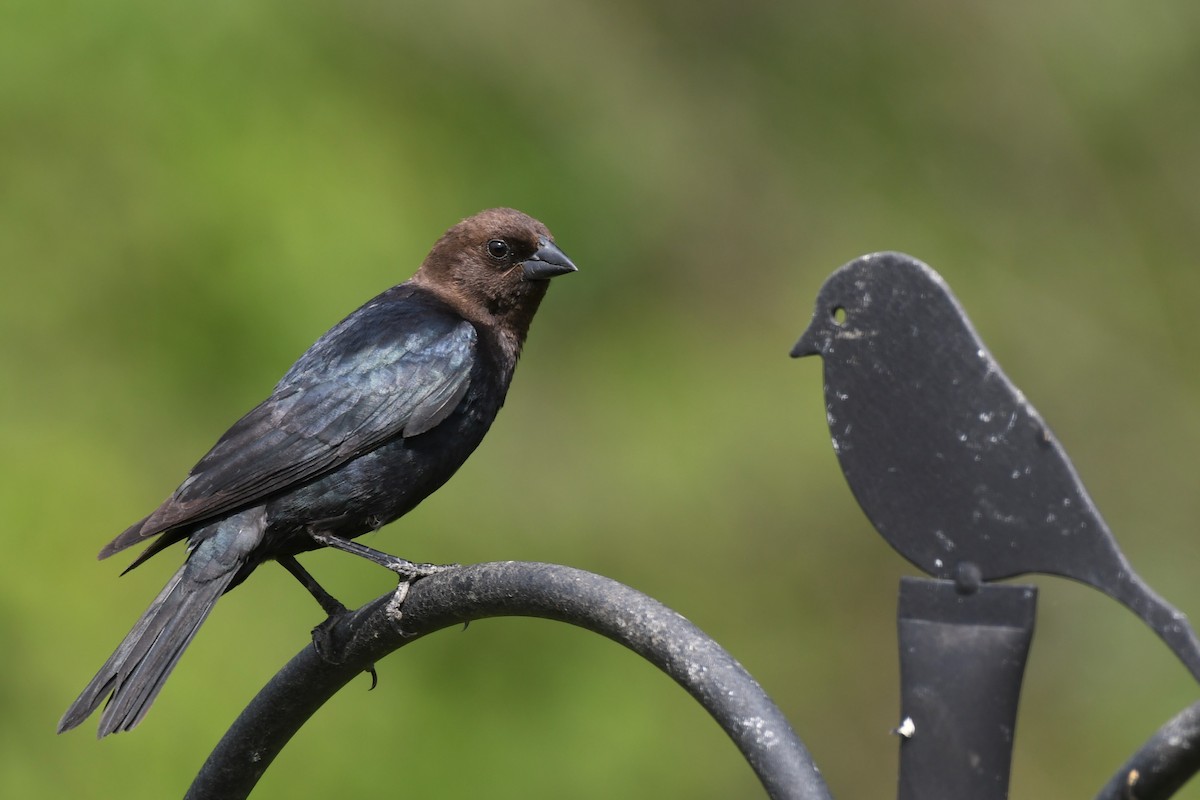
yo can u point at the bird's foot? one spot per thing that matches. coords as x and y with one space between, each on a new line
410 571
323 642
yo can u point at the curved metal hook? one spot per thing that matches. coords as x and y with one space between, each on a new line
355 641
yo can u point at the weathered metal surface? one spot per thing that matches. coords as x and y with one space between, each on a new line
950 462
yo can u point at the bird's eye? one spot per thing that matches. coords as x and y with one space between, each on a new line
497 248
838 315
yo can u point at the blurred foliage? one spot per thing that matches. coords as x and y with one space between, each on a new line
189 195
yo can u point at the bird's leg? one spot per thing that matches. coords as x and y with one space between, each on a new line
407 570
330 604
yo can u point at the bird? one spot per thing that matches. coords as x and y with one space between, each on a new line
371 419
948 459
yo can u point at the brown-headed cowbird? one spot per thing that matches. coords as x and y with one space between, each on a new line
375 416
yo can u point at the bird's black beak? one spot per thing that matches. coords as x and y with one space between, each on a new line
809 344
547 262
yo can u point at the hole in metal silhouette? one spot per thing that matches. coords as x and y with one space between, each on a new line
950 462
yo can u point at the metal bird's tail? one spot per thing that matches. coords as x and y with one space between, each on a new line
135 673
1169 623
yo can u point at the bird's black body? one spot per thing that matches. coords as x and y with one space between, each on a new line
950 462
374 417
387 482
422 342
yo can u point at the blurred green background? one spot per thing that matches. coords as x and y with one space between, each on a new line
190 194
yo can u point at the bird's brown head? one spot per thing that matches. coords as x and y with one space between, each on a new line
495 267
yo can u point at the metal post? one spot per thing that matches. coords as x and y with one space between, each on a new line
962 658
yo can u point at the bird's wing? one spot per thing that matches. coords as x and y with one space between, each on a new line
394 367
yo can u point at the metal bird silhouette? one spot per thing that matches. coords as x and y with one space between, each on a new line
950 462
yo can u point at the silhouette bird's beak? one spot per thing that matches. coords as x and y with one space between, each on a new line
547 262
809 344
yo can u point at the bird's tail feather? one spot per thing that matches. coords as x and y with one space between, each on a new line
136 671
